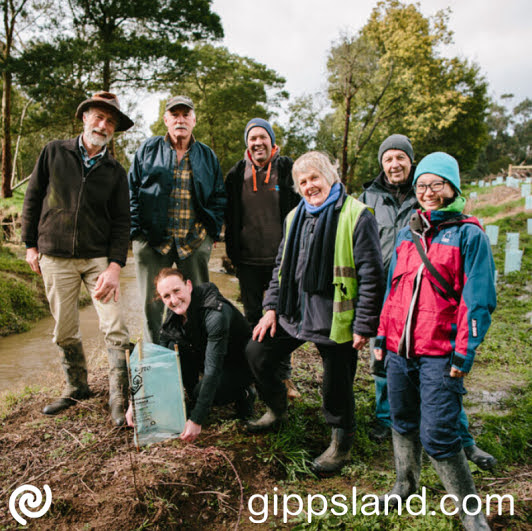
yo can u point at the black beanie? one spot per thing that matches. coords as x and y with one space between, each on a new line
401 142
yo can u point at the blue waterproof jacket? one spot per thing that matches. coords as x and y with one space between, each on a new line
151 178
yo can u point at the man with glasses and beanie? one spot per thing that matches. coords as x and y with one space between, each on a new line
75 223
177 201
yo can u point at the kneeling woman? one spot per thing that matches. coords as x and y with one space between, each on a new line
437 309
212 336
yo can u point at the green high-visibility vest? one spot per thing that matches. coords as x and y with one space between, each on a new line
344 272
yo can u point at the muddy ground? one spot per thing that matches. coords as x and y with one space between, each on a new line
100 481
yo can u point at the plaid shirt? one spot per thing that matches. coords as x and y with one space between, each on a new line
88 161
184 230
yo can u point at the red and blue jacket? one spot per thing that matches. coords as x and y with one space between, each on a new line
419 317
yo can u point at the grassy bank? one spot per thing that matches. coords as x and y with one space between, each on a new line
99 481
22 298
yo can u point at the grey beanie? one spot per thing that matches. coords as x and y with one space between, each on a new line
401 142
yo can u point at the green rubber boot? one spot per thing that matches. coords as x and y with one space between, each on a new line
457 479
118 385
75 369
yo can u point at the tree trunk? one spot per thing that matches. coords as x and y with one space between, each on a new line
346 137
6 140
106 85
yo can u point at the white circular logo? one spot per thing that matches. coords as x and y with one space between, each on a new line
32 497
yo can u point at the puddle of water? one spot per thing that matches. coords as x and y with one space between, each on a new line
31 357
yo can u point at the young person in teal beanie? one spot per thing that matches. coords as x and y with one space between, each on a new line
430 327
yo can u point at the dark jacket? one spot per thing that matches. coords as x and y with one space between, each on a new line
315 317
74 212
288 199
151 180
214 336
391 215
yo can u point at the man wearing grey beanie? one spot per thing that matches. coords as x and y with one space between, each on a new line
392 198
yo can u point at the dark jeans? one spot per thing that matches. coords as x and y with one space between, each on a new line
339 368
234 381
423 396
254 281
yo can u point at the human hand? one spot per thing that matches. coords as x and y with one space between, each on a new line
108 284
129 416
191 431
457 373
379 354
268 322
359 341
32 257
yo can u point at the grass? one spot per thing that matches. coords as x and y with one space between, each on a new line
10 400
21 294
14 204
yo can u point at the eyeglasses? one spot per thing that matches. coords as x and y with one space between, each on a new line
436 186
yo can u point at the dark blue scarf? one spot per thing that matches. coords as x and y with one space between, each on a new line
318 274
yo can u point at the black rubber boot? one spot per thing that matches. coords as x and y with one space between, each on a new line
75 369
337 454
245 406
481 458
380 432
118 385
457 479
407 456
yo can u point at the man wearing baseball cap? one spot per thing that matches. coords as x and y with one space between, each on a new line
75 223
177 201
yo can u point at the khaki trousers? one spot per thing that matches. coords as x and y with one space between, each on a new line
62 280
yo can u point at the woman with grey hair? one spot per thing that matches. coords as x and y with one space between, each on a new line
326 288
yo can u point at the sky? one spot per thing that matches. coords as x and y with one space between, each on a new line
293 37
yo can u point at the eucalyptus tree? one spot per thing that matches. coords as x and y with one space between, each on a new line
400 82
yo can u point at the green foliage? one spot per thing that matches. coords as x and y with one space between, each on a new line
302 129
228 90
134 42
507 347
390 78
510 136
492 210
15 202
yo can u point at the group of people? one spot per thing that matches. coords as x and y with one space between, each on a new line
311 261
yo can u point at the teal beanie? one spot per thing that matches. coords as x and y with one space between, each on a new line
441 164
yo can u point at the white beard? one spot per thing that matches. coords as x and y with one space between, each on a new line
95 139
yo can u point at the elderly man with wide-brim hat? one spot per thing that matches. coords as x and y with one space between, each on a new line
75 224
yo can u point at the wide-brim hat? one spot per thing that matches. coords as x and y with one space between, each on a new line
108 101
